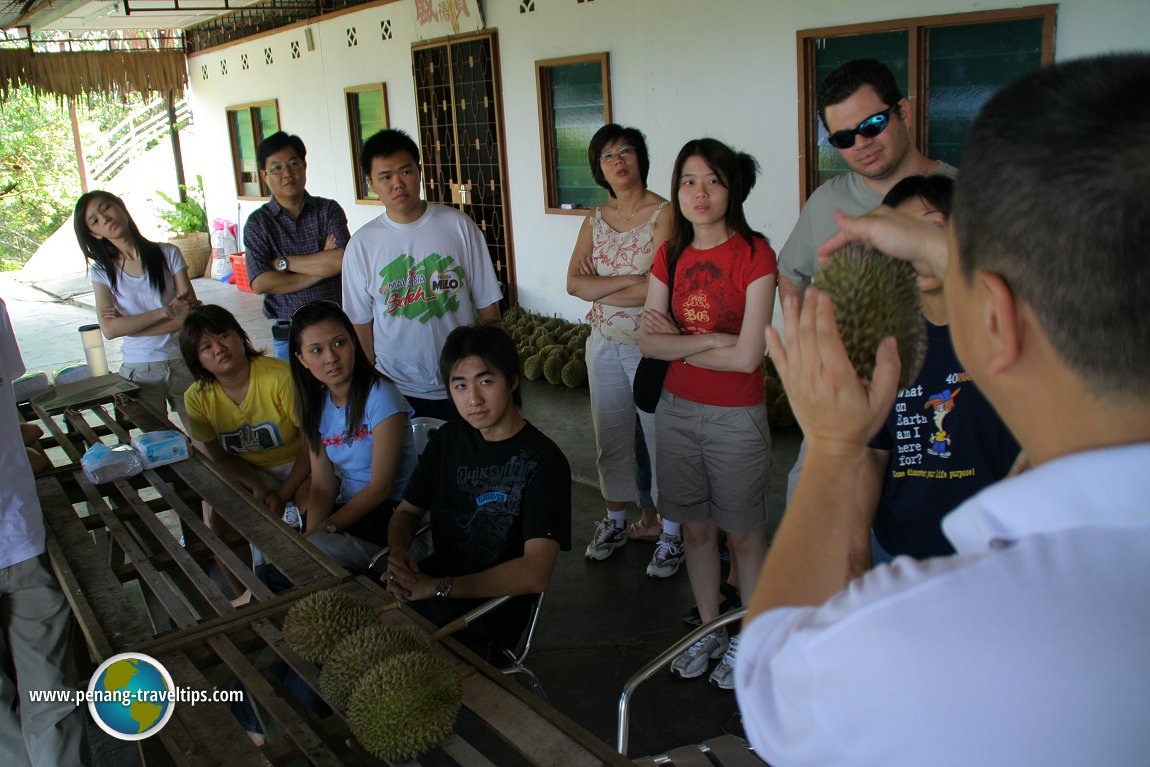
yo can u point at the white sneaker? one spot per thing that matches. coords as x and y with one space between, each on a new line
607 538
667 557
694 660
723 676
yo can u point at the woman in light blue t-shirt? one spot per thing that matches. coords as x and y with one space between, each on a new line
357 428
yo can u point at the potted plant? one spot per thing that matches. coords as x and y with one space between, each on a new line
188 222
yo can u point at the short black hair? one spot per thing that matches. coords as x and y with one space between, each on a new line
276 143
488 342
936 191
216 320
386 143
1068 231
842 83
607 135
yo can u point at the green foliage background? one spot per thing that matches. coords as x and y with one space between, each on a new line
39 180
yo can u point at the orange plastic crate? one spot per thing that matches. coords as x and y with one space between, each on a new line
240 270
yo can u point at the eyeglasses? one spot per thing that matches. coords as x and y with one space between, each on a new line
278 169
622 152
868 128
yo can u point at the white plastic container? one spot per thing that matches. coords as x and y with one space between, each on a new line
157 448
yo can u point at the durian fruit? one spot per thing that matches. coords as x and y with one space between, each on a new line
357 652
875 297
553 368
533 367
405 706
316 623
574 373
514 315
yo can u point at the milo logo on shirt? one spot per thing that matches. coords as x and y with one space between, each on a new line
421 291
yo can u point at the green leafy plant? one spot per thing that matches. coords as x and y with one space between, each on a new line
189 215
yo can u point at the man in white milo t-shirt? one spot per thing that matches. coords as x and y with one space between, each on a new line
413 275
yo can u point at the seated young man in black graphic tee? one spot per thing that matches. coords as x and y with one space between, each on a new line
499 493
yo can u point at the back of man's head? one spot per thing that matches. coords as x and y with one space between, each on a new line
1052 197
276 143
386 143
843 82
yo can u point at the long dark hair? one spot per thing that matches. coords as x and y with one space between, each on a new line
309 391
104 253
736 172
216 320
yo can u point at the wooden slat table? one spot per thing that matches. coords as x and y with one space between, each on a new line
134 587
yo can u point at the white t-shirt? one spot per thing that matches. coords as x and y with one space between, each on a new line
21 520
1028 647
135 295
416 283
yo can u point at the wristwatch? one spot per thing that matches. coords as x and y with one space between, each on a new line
443 588
282 264
331 528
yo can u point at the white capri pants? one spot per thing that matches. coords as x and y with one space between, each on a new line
611 373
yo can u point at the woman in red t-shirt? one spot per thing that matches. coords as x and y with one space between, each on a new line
712 440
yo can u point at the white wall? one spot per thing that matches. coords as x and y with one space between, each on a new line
680 69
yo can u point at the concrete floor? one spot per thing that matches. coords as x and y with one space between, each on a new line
602 620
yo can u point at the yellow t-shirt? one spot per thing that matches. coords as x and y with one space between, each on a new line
263 429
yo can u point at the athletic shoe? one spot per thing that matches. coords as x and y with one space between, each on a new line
694 660
723 676
667 557
730 602
292 516
607 538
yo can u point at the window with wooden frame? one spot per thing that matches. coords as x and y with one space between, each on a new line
248 125
947 66
366 116
574 102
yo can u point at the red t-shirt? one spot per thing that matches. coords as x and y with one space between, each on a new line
710 296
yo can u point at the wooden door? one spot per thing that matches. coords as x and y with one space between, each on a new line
457 93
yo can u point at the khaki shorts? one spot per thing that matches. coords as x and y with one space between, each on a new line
160 383
712 462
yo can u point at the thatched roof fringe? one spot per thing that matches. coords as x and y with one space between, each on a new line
88 73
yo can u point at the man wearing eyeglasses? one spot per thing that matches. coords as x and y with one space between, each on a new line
869 122
294 242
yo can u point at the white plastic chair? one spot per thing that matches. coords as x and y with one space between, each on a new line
422 428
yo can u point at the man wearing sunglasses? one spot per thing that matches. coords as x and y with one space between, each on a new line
294 242
869 122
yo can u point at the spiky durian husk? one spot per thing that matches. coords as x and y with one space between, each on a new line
316 623
356 653
404 706
875 297
553 367
575 373
533 367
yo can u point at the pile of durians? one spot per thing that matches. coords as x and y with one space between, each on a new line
554 349
400 699
549 347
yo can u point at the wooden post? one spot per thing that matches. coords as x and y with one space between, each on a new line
79 146
174 134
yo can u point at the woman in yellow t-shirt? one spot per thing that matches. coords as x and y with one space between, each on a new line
241 411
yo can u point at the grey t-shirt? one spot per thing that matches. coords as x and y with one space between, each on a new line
798 259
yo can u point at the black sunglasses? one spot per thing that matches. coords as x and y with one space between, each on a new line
868 128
